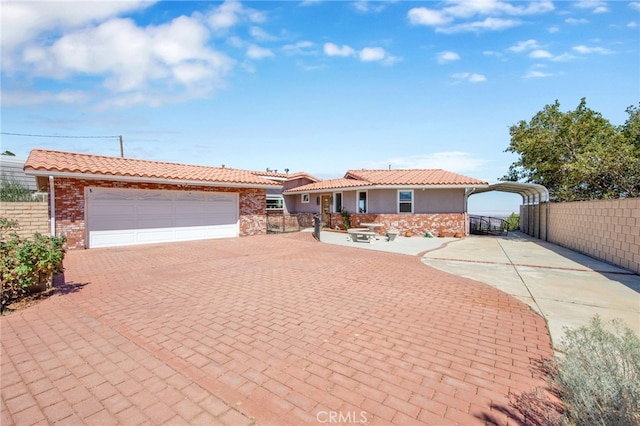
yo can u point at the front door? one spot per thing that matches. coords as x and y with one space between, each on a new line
325 202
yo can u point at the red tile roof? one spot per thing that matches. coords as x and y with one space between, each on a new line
57 163
285 176
392 178
413 177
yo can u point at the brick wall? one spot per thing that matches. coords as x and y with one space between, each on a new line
31 216
440 224
70 208
604 229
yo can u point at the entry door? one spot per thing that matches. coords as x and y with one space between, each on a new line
325 201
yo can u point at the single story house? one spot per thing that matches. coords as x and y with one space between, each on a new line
418 200
100 201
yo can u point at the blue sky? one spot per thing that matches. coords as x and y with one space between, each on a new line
315 86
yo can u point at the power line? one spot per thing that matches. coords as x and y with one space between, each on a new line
59 136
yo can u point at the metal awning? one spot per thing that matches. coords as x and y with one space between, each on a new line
532 193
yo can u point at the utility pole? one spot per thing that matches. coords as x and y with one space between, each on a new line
121 148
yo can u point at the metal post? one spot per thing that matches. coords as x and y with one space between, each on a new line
317 219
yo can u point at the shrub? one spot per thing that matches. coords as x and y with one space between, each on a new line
346 218
598 378
25 263
596 381
513 222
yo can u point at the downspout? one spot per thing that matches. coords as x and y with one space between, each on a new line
52 206
467 220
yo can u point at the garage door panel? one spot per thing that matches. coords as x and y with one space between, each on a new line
127 217
111 238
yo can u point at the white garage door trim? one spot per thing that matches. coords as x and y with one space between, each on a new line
121 217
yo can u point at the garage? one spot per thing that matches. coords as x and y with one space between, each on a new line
121 217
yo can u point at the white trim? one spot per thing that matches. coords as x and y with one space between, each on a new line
52 206
150 180
404 202
304 198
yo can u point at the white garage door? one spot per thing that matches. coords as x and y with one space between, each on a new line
120 217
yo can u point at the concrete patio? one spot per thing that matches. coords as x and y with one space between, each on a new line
273 329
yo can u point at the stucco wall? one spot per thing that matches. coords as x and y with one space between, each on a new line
70 206
385 201
32 217
605 229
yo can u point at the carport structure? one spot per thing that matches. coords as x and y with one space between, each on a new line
533 216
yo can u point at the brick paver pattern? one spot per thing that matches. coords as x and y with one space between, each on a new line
272 329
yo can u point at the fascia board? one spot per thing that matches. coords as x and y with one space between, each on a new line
149 180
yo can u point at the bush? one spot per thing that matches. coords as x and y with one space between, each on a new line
598 378
596 381
25 263
513 222
346 218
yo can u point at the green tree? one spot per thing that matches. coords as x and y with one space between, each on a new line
577 155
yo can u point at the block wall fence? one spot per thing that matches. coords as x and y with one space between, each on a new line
608 230
32 217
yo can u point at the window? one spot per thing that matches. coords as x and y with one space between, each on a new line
275 202
305 198
337 202
405 201
362 202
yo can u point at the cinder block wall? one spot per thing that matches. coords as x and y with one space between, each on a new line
31 216
604 229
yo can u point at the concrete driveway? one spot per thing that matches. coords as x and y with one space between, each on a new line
274 329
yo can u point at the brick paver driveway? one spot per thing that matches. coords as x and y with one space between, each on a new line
266 330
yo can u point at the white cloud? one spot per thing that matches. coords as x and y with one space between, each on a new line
597 6
430 17
23 98
367 6
585 50
304 47
134 62
537 74
372 54
447 56
257 52
231 13
377 54
632 24
453 161
331 49
489 24
635 5
553 30
261 35
524 45
576 21
456 11
24 21
469 77
540 54
466 9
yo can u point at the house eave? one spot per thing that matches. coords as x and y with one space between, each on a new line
370 187
149 179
